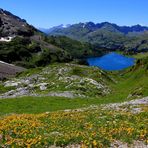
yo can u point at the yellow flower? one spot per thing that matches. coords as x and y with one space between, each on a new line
94 143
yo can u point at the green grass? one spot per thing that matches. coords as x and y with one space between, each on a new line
45 104
140 55
5 89
132 81
120 91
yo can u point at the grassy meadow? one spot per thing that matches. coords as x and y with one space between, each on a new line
81 122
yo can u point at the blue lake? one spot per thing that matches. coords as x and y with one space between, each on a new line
112 61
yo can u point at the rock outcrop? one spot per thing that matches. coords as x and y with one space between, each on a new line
63 80
8 70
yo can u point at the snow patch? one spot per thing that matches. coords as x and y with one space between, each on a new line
6 39
65 26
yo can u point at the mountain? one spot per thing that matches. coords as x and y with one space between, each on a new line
24 45
47 31
108 35
11 25
92 27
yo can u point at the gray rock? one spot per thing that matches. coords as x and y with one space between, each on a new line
43 87
136 110
22 91
67 94
11 83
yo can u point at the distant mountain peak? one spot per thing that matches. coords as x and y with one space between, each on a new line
64 26
90 24
48 30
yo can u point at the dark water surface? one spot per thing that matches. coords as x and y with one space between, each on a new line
112 61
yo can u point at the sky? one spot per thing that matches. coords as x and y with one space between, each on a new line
48 13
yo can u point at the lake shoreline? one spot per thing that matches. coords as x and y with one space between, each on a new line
112 61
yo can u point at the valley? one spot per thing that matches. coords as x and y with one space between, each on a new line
79 86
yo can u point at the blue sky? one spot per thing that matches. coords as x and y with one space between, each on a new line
48 13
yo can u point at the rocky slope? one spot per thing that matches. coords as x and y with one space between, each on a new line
7 70
74 81
67 80
11 25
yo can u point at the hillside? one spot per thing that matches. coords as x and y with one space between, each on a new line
108 110
11 25
67 80
78 50
79 81
24 45
108 36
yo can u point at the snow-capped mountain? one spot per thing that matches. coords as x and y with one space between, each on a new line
47 31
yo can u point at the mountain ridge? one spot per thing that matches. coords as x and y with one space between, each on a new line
107 35
123 28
